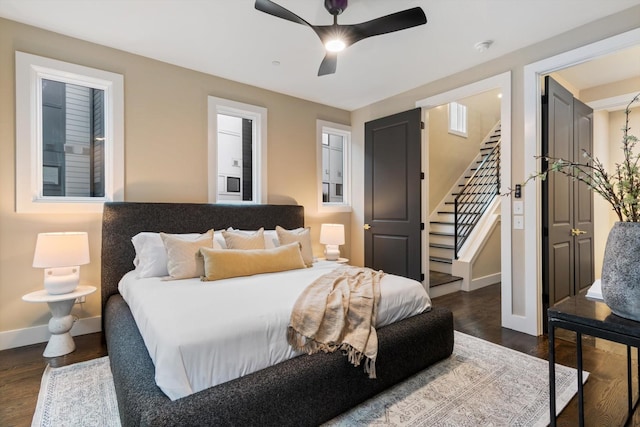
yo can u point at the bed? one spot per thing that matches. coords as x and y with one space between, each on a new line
304 390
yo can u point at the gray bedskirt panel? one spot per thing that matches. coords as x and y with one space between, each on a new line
306 390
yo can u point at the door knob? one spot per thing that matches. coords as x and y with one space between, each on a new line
366 227
577 232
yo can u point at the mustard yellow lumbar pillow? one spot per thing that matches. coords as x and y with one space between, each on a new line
227 263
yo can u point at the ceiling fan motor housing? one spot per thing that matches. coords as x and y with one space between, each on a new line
335 7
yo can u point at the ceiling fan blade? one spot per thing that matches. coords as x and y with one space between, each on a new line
267 6
329 64
387 24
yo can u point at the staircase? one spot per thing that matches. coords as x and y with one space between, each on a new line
457 216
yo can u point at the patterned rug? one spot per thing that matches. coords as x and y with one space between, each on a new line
481 384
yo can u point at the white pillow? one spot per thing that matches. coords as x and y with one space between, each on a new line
218 240
151 255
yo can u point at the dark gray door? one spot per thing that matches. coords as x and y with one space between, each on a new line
392 194
567 205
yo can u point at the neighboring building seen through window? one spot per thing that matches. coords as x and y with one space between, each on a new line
332 167
235 158
334 154
72 140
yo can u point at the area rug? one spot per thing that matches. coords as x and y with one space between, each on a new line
481 384
81 394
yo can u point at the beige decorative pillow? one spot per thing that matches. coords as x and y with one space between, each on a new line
183 261
240 239
301 235
226 263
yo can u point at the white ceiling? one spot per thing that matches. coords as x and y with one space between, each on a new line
231 39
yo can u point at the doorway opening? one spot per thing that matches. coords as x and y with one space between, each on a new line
502 84
464 187
533 73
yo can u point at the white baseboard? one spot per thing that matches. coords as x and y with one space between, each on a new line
38 334
483 281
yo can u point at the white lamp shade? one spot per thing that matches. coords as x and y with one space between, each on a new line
332 234
61 250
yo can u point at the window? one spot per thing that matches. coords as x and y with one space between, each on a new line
69 136
237 152
334 152
458 119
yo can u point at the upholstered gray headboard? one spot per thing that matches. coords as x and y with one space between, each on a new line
123 220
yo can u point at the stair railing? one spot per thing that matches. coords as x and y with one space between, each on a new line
474 198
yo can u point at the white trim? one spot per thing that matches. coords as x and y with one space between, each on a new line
532 321
614 103
258 115
503 82
424 204
345 132
30 70
37 334
484 281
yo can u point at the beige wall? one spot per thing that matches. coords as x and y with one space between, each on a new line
165 155
488 261
514 62
449 155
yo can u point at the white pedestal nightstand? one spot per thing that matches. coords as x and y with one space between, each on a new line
61 341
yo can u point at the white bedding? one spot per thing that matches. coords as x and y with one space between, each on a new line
200 334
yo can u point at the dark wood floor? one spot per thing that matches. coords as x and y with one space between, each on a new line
476 313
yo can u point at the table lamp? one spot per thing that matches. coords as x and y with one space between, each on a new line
332 236
61 255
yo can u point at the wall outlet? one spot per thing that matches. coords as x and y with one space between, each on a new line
80 300
518 222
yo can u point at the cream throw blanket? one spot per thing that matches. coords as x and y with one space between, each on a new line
338 311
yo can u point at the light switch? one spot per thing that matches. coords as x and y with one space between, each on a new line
518 207
518 222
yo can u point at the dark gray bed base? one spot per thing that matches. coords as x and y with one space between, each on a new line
306 390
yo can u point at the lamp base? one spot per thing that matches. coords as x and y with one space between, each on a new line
332 252
61 280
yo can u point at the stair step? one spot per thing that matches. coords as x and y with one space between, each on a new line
441 246
440 233
465 203
437 278
441 260
475 193
448 223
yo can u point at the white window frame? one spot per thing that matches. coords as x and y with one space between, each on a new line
458 119
344 131
258 116
30 71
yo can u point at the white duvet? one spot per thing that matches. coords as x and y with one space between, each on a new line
200 334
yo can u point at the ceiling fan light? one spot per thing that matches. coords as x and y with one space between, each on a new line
335 45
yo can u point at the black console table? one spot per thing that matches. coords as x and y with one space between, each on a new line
594 318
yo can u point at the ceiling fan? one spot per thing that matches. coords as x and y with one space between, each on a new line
337 37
